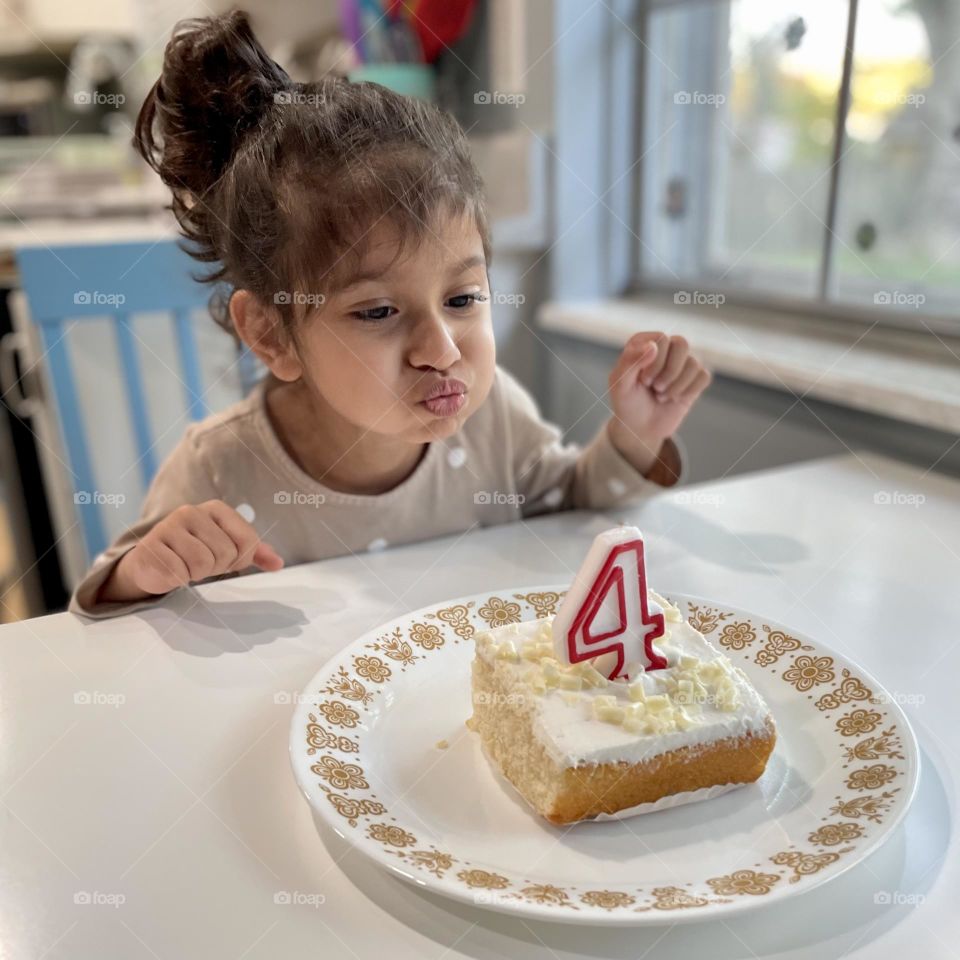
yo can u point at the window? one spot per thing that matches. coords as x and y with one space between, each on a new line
803 151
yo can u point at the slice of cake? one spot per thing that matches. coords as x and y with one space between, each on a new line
656 712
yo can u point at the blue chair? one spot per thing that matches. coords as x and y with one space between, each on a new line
67 284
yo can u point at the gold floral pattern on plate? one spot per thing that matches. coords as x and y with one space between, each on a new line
743 883
337 713
433 861
736 636
887 744
396 648
371 668
777 645
458 617
872 778
499 612
353 808
348 688
850 689
675 898
871 808
483 879
391 834
544 602
427 636
355 685
319 738
608 899
858 721
340 775
806 864
832 834
546 894
808 672
705 619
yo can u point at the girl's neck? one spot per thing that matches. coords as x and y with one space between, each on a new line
332 450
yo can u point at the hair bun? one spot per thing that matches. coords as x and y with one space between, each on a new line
217 83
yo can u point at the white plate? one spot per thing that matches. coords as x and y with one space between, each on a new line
364 746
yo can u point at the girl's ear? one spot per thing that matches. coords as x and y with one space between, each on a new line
261 330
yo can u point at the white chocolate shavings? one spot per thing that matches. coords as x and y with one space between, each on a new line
659 701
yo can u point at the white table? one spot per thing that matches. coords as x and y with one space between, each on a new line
168 803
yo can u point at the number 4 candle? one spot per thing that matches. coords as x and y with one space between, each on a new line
606 610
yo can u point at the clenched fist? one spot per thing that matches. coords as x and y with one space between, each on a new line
191 543
652 388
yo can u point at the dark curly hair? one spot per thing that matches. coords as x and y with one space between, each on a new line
277 183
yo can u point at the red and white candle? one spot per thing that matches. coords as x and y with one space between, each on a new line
606 613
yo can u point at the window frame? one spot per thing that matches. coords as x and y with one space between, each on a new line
602 57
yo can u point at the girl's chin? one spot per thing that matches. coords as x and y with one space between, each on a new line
438 428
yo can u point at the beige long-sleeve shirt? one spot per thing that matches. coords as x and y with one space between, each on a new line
504 464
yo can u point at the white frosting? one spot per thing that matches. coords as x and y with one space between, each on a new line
581 717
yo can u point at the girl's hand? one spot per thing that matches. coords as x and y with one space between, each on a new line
652 388
190 543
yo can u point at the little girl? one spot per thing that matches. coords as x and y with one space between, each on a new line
348 224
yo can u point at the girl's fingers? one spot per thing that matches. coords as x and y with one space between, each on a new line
266 558
161 569
203 526
241 532
198 558
653 369
676 357
250 548
684 379
700 383
636 355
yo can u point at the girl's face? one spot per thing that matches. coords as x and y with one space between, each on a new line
404 332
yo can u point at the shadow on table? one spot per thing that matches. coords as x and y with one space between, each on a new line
736 550
208 628
845 915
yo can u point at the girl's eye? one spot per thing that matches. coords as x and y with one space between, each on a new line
463 300
374 314
379 314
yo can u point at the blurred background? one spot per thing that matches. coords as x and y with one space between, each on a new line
776 180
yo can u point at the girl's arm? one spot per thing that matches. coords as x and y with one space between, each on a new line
185 533
634 454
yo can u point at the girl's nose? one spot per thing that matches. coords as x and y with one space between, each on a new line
433 344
